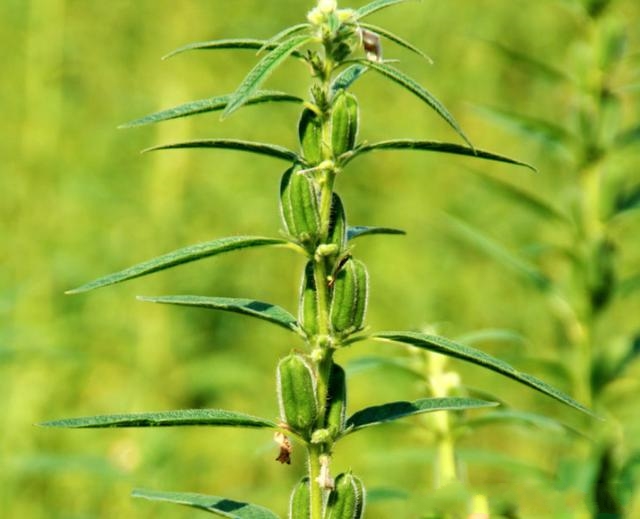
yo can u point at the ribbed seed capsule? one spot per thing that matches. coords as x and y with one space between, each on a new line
297 393
336 401
349 297
300 500
344 122
310 136
299 207
347 500
337 224
308 304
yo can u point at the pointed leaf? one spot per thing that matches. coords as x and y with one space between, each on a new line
347 77
395 410
374 6
266 311
183 417
437 147
500 254
263 70
211 104
219 506
361 230
178 257
231 43
283 34
466 353
261 148
415 88
396 39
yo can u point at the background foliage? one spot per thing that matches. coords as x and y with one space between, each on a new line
79 201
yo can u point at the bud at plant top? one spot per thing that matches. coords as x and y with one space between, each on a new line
297 393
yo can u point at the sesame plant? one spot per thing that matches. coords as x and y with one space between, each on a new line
339 48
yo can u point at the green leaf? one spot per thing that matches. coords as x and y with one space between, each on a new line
395 39
415 88
266 311
347 77
401 365
183 417
262 71
289 31
261 148
211 104
437 147
372 7
178 257
508 416
220 506
500 254
491 335
361 230
231 43
395 410
466 353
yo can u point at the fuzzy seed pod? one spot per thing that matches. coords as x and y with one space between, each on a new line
297 393
308 304
344 122
310 136
300 501
336 401
346 501
299 207
337 224
349 298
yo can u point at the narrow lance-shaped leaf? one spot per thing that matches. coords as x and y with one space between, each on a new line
347 77
261 148
436 147
179 257
361 230
185 417
220 506
266 311
414 87
395 410
231 43
263 70
500 254
283 34
396 39
374 6
466 353
211 104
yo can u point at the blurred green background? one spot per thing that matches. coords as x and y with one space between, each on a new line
79 201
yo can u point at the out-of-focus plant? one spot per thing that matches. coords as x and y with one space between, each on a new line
338 47
583 275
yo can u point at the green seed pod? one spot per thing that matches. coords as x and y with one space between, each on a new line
336 401
297 393
308 304
310 135
300 501
299 207
349 298
344 122
346 501
337 224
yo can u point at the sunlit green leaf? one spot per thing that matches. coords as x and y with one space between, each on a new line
263 69
283 34
436 147
491 335
500 254
185 417
466 353
211 104
347 77
374 6
395 410
261 148
178 257
414 87
395 39
361 230
266 311
231 43
220 506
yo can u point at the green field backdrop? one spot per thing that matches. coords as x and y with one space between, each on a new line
78 201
